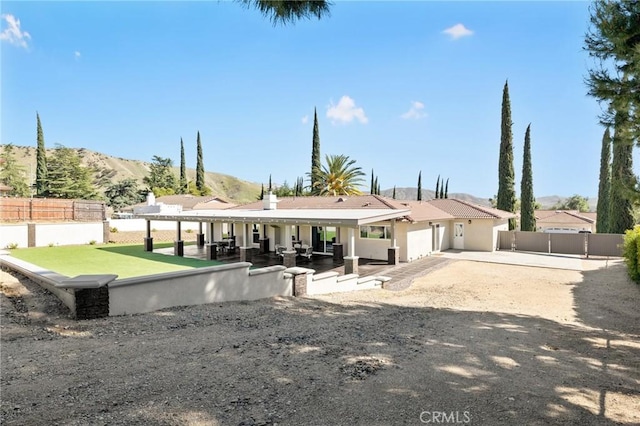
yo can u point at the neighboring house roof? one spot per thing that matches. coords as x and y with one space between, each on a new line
562 216
460 209
190 202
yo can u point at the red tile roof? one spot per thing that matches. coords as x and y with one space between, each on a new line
465 210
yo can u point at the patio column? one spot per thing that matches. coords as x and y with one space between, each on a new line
148 240
338 248
211 248
393 253
351 261
245 250
200 236
178 244
289 259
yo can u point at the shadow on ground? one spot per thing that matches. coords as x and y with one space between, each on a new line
307 361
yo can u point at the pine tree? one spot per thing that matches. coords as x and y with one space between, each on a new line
394 192
183 170
200 169
438 187
506 176
12 173
161 179
622 180
446 189
420 186
67 177
41 162
316 166
527 200
604 188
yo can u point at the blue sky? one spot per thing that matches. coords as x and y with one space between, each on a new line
401 87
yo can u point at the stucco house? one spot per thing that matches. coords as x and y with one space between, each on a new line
569 221
368 226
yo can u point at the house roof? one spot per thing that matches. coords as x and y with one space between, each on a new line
460 209
325 217
562 216
422 211
342 202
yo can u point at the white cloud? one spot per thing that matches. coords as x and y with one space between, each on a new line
416 111
345 111
13 34
458 31
77 54
305 119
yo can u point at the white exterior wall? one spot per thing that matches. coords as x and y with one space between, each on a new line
223 283
68 233
419 239
482 234
371 248
499 225
14 234
445 235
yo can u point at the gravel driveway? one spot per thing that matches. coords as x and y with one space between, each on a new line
470 343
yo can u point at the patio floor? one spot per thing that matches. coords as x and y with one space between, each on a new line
318 262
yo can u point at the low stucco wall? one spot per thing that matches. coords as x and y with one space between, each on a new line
69 233
419 241
221 283
14 234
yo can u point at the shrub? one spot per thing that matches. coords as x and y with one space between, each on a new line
188 230
113 229
51 244
92 242
631 252
12 246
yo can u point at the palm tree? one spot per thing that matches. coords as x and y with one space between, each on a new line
338 176
287 11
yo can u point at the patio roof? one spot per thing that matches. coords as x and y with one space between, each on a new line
326 217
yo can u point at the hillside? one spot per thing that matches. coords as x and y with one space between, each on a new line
110 169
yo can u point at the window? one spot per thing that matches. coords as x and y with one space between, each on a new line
376 232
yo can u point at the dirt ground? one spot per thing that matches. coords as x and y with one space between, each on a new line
470 343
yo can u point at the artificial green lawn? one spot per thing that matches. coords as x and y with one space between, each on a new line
120 259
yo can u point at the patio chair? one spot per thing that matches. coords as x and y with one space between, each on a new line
307 252
280 250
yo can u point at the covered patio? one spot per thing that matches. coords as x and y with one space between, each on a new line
254 235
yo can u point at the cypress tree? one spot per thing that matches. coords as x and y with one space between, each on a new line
261 193
183 170
377 188
41 162
506 176
622 180
199 168
438 186
604 187
446 189
315 153
373 188
270 186
394 192
527 200
420 186
441 191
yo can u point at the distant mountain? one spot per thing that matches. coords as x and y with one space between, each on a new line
108 170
